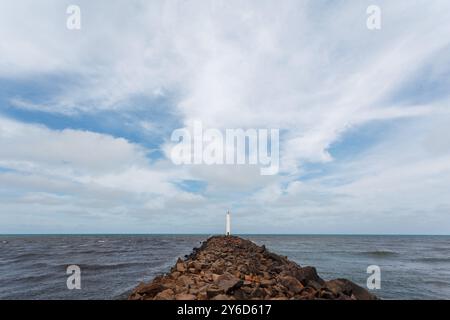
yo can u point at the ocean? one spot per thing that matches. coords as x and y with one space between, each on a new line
34 266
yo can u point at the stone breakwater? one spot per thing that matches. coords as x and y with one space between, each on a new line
232 268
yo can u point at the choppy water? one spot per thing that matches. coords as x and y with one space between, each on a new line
34 267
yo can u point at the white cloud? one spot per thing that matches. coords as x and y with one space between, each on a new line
80 171
314 71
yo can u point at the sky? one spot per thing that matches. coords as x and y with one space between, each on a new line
86 116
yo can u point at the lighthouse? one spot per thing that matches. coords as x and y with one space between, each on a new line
228 221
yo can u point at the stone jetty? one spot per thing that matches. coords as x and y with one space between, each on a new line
232 268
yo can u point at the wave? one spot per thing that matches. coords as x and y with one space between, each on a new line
379 253
432 260
94 267
33 278
29 255
438 283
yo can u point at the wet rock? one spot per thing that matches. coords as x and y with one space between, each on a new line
150 288
346 287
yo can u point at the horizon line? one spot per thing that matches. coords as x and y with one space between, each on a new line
215 234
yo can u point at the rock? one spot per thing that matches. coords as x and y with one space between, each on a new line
247 290
212 292
202 296
197 265
266 283
240 295
135 296
257 293
324 294
275 257
167 294
150 288
291 283
306 274
180 266
169 285
194 291
228 282
248 278
185 296
307 293
346 287
314 284
185 280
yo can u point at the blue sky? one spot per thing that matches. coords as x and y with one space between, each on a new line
86 116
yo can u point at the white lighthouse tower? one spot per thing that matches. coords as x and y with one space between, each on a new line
228 228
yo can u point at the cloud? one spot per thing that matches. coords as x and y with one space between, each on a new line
312 70
80 171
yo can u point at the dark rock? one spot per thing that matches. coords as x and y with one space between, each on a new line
212 292
227 282
240 295
258 293
291 283
346 287
306 274
150 288
266 283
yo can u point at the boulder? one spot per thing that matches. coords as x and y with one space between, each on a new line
346 287
266 283
149 288
167 294
306 274
291 283
212 292
228 282
180 266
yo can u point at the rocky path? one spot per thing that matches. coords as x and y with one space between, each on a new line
232 268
